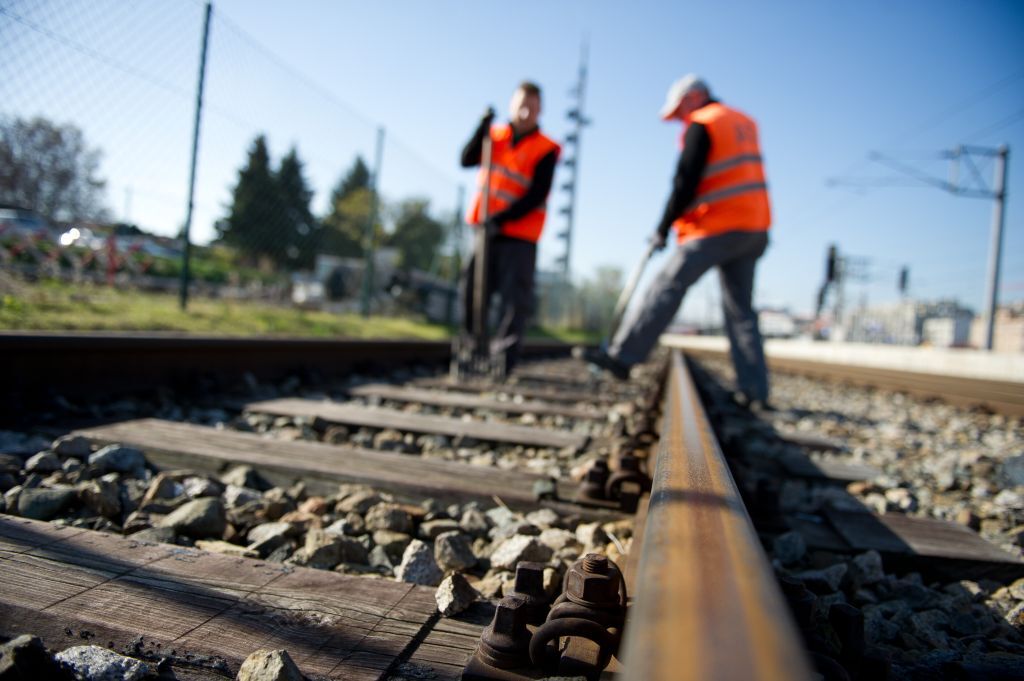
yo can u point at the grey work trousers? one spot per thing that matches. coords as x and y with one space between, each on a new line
512 264
734 254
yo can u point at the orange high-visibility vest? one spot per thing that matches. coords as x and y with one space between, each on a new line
511 174
732 194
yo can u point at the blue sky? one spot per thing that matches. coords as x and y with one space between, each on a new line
828 82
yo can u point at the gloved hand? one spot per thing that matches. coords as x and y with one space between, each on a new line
492 228
658 241
488 117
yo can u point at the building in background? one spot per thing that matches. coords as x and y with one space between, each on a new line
943 323
1007 332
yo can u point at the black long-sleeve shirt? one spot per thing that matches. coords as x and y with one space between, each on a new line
692 161
543 175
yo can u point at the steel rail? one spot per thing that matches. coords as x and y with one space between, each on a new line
78 366
707 604
1003 397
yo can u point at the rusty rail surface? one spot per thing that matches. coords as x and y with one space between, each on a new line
707 605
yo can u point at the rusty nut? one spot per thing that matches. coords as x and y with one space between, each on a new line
594 581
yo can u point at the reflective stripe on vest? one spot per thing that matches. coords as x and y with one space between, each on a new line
732 194
512 169
731 162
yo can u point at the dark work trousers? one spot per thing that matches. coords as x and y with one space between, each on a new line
511 277
734 254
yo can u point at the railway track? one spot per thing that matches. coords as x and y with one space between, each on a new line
383 468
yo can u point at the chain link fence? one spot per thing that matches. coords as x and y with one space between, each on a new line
97 107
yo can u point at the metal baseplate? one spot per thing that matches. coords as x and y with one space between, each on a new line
469 360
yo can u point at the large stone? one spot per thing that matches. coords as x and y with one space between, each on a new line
163 535
453 552
825 580
44 503
266 538
204 517
393 543
454 595
235 495
99 664
10 463
325 551
557 539
500 515
379 558
591 535
351 525
25 657
245 476
1013 470
475 522
431 529
269 665
101 497
511 529
358 502
519 548
226 548
789 548
196 487
115 458
869 567
418 566
75 446
543 518
163 495
389 517
43 462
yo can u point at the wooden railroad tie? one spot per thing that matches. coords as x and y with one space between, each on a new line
356 415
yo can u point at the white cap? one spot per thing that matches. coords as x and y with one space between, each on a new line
682 87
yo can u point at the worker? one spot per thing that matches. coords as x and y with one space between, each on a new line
522 169
720 211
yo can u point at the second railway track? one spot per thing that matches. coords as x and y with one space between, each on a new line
367 488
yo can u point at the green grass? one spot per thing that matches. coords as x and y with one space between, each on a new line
59 307
54 306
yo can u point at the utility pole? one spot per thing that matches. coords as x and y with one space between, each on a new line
368 239
186 242
974 187
995 250
572 161
456 239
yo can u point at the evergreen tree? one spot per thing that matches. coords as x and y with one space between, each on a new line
344 227
299 237
250 226
417 235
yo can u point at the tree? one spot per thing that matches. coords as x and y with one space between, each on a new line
248 226
300 231
344 227
417 235
49 168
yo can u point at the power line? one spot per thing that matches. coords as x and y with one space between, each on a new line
327 94
945 114
998 125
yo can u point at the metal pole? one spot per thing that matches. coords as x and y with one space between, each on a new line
369 239
481 294
456 254
995 250
186 251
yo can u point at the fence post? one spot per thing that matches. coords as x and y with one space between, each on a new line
186 241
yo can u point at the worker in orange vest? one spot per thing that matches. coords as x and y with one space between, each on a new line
719 208
522 169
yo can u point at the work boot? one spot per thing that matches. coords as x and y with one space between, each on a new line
602 359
